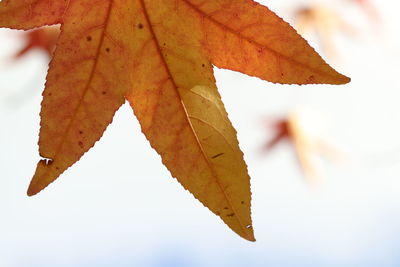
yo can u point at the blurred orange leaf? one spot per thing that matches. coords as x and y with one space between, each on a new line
158 55
325 22
306 144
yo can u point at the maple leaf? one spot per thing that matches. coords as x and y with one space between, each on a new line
325 22
289 129
306 144
44 39
369 9
159 55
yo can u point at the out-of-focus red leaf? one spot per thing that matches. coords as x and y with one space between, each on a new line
369 9
43 39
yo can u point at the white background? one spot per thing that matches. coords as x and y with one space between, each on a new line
118 206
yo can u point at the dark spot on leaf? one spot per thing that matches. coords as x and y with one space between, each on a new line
140 26
205 138
107 49
80 144
104 92
80 132
218 213
230 214
225 208
217 155
89 38
50 94
57 168
203 65
242 202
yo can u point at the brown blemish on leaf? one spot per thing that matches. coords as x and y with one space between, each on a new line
89 38
311 79
217 155
230 214
140 26
80 144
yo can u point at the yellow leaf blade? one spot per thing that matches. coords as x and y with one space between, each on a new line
87 80
181 114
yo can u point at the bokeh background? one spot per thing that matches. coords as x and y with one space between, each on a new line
118 206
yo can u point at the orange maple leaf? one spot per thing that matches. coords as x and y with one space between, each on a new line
158 55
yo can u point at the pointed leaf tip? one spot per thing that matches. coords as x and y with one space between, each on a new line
249 234
38 182
342 79
30 192
346 80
